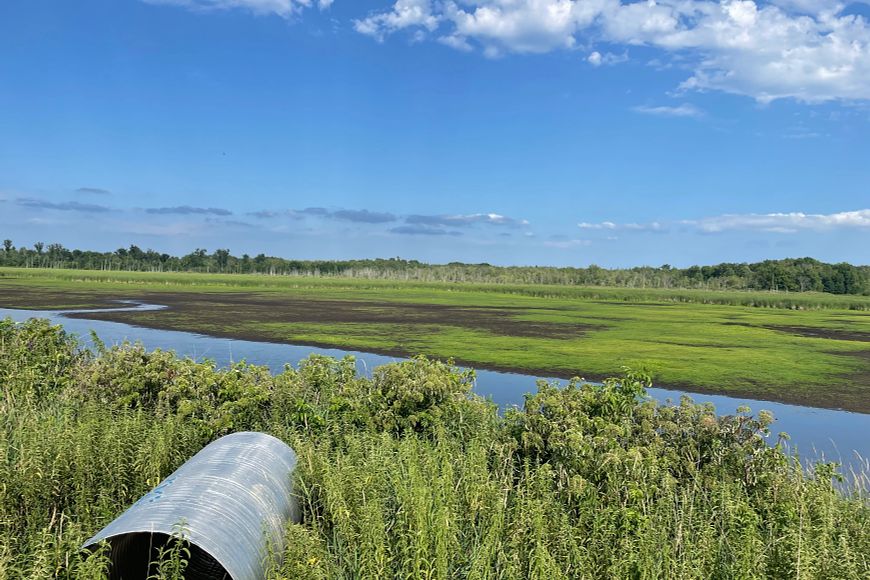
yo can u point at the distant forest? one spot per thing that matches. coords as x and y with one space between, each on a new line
789 275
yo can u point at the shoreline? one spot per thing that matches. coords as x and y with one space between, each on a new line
114 314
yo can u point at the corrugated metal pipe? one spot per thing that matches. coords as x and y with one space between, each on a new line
231 502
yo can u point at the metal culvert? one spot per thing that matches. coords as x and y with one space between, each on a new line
232 499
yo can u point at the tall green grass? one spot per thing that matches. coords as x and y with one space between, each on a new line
408 474
181 281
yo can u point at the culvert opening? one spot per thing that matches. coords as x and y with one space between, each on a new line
134 557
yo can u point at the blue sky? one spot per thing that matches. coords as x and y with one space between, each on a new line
559 132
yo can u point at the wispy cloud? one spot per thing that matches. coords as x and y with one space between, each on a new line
769 222
318 211
597 226
783 222
461 220
423 230
266 214
283 8
232 223
632 226
188 210
93 191
683 110
61 206
177 229
596 58
362 216
272 214
567 243
424 224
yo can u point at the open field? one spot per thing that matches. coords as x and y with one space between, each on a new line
409 475
811 349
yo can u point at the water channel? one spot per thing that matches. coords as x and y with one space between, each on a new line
816 433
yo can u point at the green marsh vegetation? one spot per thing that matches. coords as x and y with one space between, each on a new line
805 348
408 474
790 275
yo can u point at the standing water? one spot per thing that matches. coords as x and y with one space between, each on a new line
816 433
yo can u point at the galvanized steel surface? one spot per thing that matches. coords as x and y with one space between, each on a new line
234 499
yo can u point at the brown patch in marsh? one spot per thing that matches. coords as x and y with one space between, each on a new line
829 333
219 310
860 377
810 331
40 299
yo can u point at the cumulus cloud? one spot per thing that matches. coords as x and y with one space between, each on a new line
683 110
283 8
93 190
809 50
188 210
783 222
404 14
61 206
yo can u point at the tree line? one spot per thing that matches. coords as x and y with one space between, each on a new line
788 275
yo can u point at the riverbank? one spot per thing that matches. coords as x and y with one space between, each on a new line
818 357
815 433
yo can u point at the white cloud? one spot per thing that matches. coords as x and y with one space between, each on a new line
768 222
800 49
783 222
595 58
683 110
404 14
599 226
283 8
519 25
457 42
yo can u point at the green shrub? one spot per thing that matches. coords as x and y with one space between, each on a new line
409 474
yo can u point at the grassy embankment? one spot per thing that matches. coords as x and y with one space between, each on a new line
409 475
802 348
